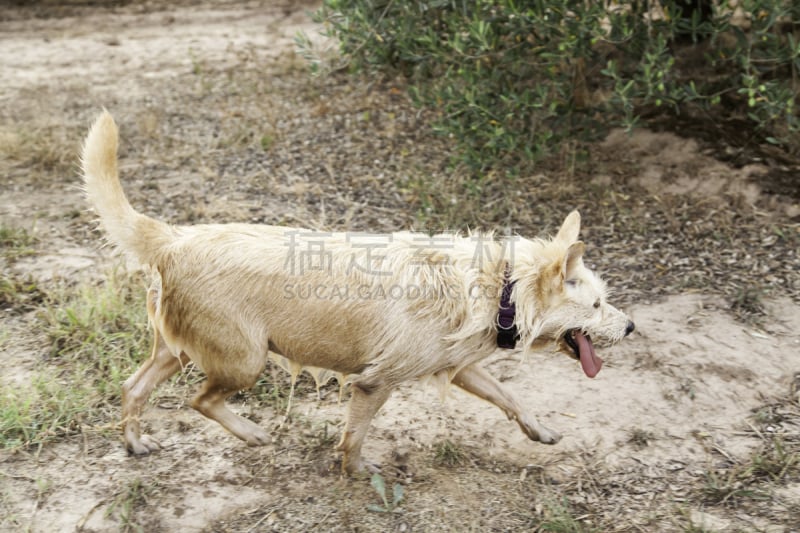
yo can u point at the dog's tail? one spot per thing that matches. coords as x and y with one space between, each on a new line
137 234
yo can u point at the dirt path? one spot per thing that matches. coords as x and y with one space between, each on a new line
220 121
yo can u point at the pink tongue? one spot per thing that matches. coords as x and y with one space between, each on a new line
589 361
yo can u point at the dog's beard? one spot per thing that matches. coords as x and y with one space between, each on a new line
583 349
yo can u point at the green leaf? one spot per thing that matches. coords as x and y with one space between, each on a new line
379 484
398 494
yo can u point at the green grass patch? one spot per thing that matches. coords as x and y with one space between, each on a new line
447 453
97 336
103 327
50 408
559 517
126 503
20 294
15 242
775 462
44 150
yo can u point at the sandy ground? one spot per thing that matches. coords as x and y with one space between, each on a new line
673 403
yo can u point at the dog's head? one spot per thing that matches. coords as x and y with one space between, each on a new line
564 302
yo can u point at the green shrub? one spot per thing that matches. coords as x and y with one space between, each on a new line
510 79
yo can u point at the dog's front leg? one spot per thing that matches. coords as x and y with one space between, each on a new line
364 403
479 382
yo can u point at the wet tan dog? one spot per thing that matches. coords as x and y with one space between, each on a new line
381 309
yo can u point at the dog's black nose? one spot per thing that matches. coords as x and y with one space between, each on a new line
629 328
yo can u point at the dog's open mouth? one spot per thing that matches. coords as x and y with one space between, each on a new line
581 345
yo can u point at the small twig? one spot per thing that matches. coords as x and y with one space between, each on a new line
756 430
3 473
89 513
260 520
726 455
322 520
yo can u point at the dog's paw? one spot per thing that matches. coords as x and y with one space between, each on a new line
143 445
537 432
359 466
257 437
548 436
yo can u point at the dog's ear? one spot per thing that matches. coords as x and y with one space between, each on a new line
573 259
563 268
570 229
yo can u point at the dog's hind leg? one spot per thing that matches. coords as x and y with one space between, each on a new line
364 403
210 401
137 388
479 382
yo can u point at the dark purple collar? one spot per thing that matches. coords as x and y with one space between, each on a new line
507 334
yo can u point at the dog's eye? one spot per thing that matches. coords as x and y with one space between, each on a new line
572 282
597 304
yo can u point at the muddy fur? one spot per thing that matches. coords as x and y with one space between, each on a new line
382 309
